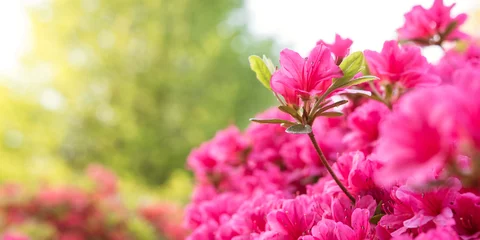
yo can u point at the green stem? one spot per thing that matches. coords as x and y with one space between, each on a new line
329 169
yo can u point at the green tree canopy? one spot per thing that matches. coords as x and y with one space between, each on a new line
144 81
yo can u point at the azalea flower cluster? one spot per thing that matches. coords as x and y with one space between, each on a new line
74 213
351 156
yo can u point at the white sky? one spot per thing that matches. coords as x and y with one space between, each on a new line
299 24
296 24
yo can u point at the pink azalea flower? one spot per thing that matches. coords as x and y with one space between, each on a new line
414 210
417 139
214 159
454 60
468 80
340 48
217 210
425 24
304 77
347 221
294 218
357 174
443 233
403 65
205 231
467 215
267 138
251 217
364 124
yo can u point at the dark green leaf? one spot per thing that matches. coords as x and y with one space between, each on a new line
330 114
378 209
287 125
419 41
376 218
335 104
270 121
261 70
299 129
289 110
448 30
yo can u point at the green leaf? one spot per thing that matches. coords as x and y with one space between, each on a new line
376 218
377 215
359 80
352 65
261 70
335 104
357 92
287 125
289 110
299 129
270 121
269 63
330 114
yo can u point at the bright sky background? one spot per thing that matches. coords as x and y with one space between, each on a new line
299 24
296 24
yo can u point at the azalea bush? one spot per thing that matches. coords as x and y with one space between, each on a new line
76 212
362 145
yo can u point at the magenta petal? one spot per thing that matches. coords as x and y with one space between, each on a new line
344 232
292 64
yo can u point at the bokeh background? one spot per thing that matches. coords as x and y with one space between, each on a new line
135 84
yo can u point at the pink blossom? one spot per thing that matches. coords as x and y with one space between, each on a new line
204 231
364 124
443 233
454 60
304 77
251 217
414 209
404 65
340 48
417 139
293 219
468 80
267 138
213 159
347 221
425 24
467 215
357 174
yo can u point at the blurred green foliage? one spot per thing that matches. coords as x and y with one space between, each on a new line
133 84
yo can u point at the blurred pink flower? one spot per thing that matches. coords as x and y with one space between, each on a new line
424 24
454 60
340 48
417 138
404 65
14 236
304 77
105 180
364 124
